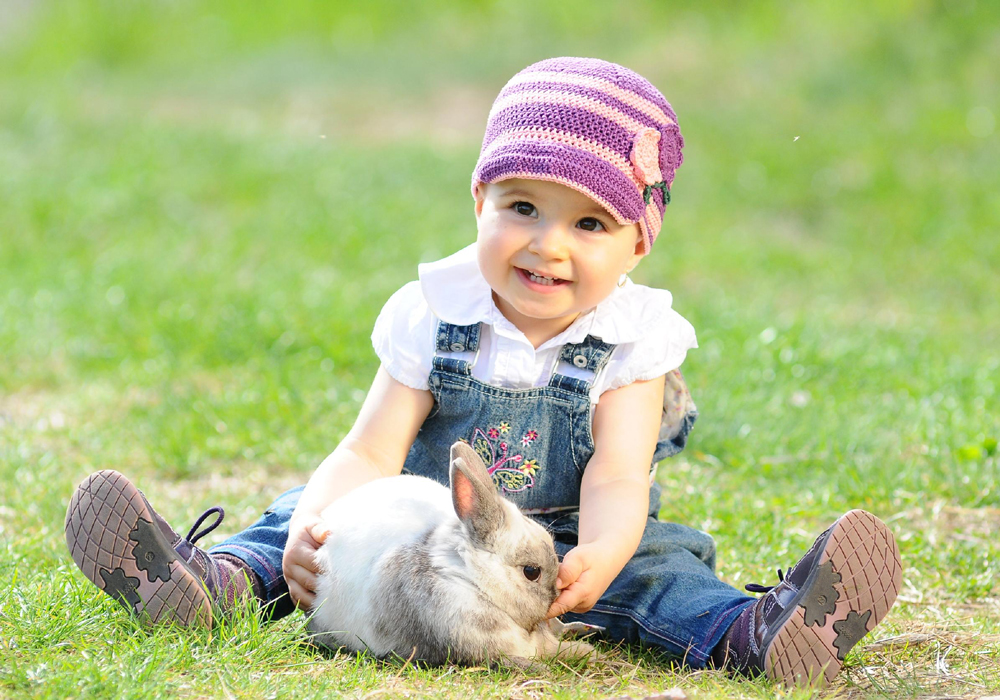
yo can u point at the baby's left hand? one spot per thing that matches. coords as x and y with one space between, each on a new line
583 577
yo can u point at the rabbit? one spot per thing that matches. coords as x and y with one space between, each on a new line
462 576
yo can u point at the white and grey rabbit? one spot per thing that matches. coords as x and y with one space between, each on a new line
413 569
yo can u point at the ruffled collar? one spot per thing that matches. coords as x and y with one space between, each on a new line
456 292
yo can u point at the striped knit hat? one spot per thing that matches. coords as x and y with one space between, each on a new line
591 125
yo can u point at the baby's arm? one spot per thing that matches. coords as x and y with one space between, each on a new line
614 494
376 446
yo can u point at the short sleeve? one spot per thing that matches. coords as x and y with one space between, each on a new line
403 336
662 349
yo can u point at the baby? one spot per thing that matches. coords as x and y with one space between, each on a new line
534 346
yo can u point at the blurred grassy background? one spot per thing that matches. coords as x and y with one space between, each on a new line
203 205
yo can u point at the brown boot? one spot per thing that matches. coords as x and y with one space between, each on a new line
800 630
128 551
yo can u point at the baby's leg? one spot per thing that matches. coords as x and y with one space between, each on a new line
667 595
799 631
261 548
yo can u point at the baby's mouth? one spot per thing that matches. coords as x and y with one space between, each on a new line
539 279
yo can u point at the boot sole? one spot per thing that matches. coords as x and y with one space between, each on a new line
853 584
113 538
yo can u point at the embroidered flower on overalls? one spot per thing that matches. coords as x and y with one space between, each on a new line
529 437
504 428
511 472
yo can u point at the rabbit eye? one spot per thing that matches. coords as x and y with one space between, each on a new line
532 573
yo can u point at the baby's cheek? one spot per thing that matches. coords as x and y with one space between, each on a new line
592 292
492 265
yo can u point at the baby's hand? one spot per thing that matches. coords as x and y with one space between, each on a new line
306 534
583 577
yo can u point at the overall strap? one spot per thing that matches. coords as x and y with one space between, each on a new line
455 339
592 354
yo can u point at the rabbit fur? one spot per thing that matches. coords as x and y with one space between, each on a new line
413 569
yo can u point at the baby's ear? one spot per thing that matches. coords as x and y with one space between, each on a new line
479 192
639 252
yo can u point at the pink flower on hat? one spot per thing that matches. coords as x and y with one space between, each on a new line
646 155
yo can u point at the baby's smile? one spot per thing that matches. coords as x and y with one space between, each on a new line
533 279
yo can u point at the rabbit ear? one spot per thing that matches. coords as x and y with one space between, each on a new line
476 501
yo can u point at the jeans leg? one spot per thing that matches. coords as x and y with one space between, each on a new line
261 547
667 595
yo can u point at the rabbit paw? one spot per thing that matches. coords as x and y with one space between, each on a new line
576 649
532 667
572 629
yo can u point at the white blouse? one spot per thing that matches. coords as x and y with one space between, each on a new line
650 337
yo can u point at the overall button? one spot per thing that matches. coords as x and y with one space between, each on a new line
457 347
580 361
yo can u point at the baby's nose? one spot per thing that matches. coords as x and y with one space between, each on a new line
551 242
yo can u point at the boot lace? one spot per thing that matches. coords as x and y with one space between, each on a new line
758 588
194 534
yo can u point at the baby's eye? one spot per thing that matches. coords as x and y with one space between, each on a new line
524 208
589 223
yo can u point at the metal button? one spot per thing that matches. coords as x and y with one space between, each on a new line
580 361
457 347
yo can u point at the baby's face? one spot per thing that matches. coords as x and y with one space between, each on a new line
533 229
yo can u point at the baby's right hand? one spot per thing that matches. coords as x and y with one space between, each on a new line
306 534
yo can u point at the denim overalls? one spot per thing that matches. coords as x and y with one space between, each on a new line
536 443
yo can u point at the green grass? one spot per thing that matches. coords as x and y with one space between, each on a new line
189 274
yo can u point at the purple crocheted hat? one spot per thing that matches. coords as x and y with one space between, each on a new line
595 126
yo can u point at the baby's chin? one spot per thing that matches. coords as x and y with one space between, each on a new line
551 321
